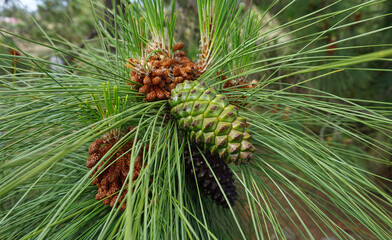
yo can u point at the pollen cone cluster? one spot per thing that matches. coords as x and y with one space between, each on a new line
161 72
211 121
196 165
238 84
112 171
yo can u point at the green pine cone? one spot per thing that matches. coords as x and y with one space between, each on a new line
213 123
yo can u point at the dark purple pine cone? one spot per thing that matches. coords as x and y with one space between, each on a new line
206 179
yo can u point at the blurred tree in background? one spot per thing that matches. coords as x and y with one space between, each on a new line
67 20
353 83
54 22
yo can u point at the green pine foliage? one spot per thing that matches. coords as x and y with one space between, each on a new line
302 181
347 35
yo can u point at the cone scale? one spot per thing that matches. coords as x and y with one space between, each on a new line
211 121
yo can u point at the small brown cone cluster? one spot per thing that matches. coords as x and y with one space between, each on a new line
241 83
163 73
238 83
113 170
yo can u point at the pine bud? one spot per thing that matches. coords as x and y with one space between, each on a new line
147 80
178 46
159 92
144 89
151 95
156 80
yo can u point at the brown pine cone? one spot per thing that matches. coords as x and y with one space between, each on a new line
196 165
